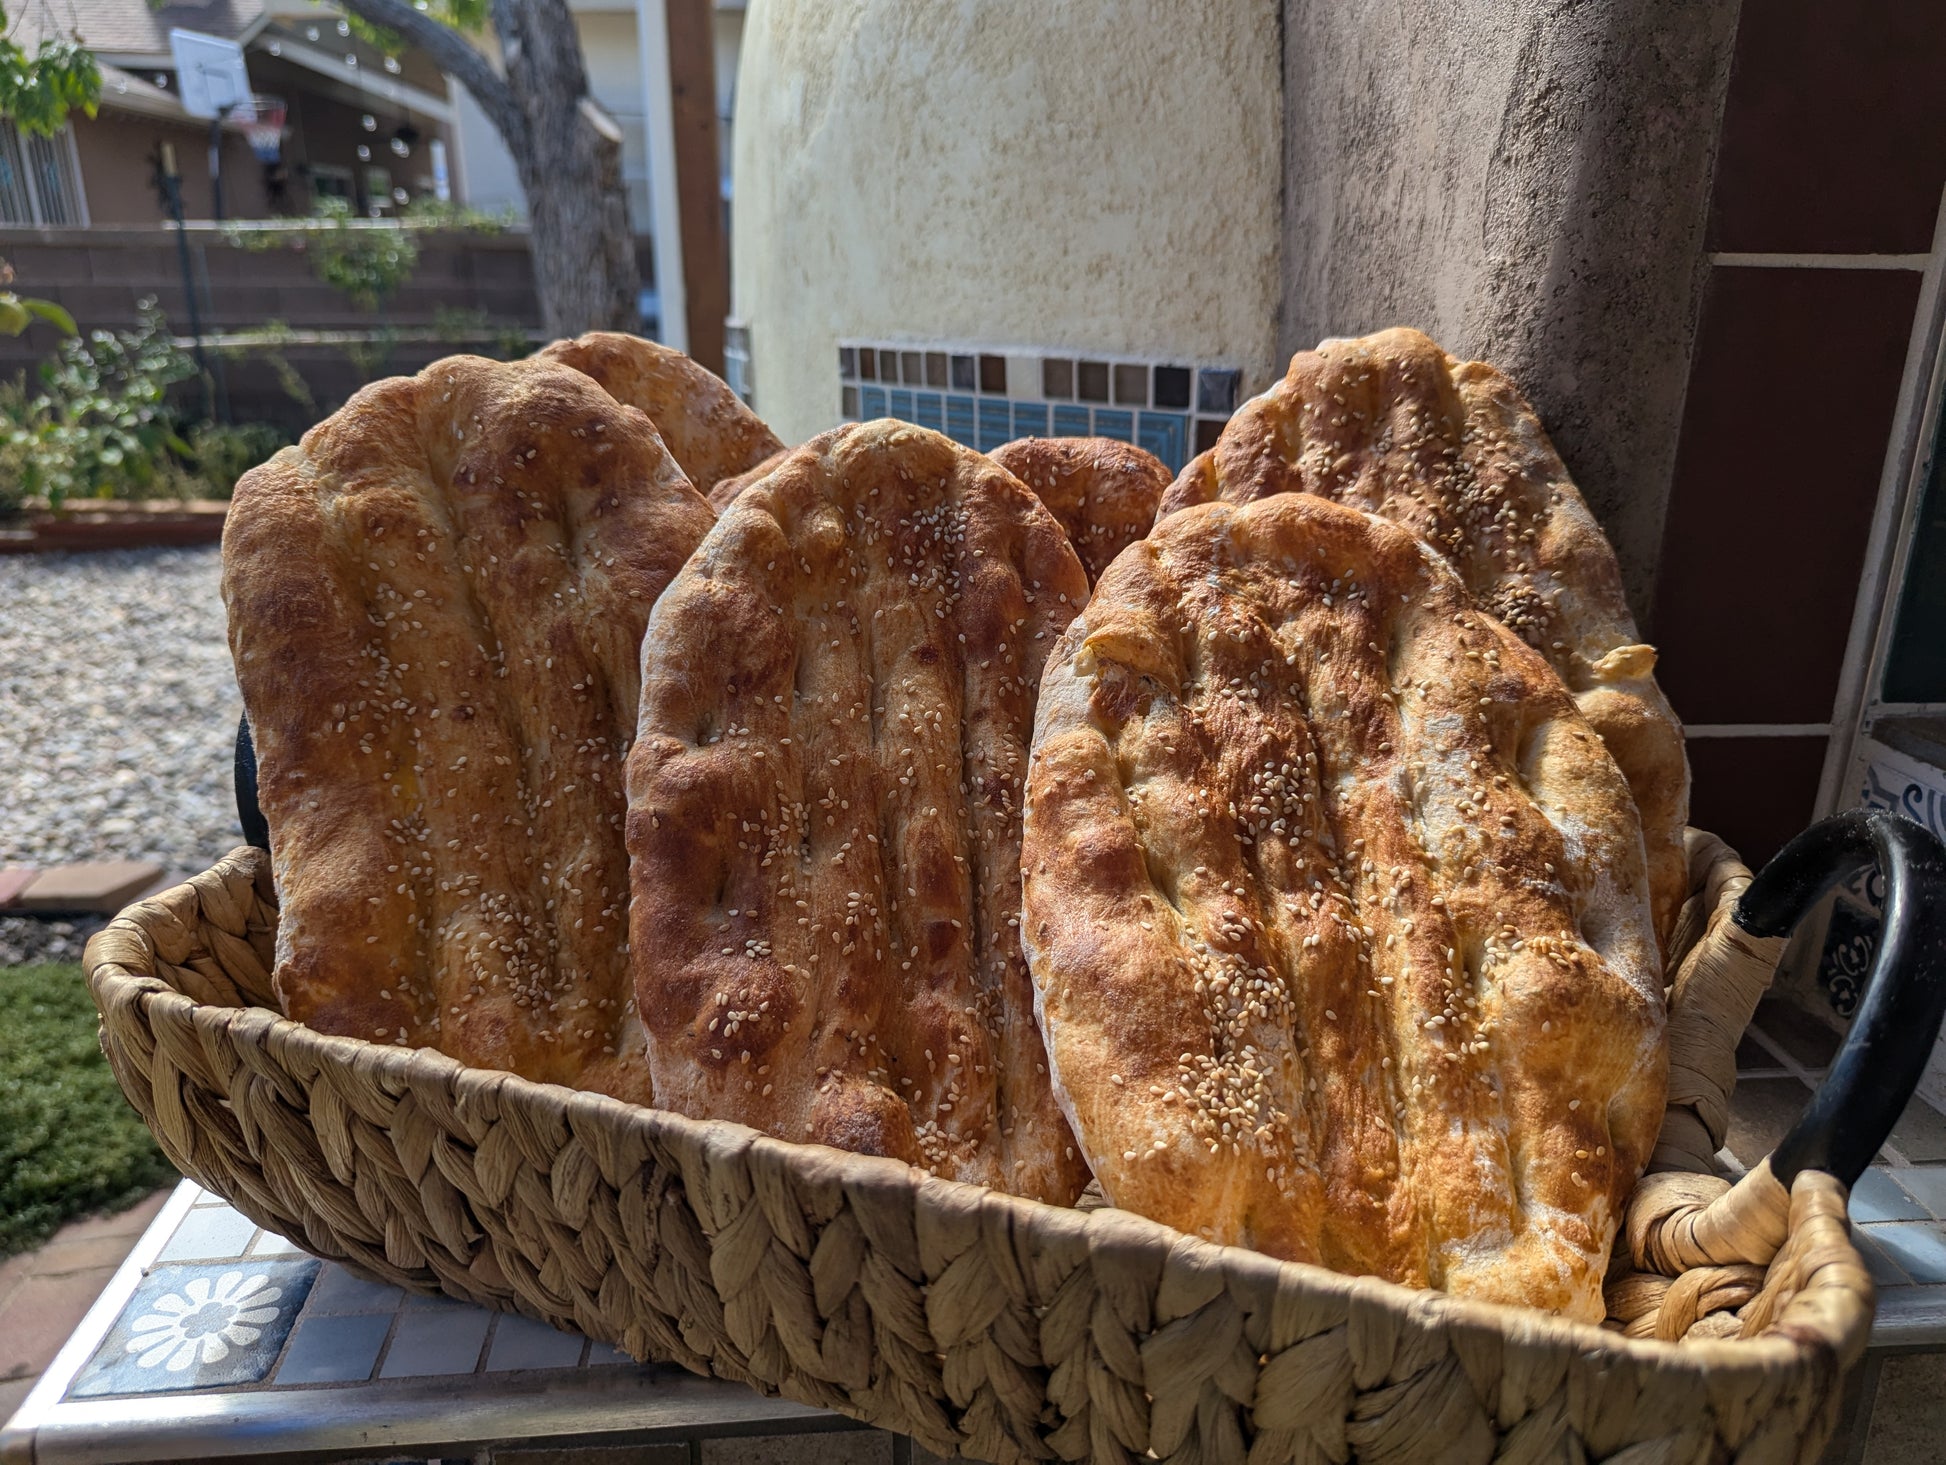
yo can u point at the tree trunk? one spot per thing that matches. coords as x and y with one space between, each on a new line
567 151
571 172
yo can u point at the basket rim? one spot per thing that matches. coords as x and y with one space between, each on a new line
1782 1345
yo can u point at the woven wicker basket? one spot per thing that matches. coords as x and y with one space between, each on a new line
976 1322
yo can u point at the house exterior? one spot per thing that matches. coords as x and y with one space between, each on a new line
372 129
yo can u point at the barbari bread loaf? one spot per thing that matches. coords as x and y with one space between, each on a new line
436 605
1449 449
824 810
1104 492
705 426
1336 909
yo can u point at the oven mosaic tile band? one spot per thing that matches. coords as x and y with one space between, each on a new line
984 399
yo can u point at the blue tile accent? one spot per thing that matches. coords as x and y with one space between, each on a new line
929 411
1071 422
208 1234
520 1342
1877 1198
995 425
1030 419
1918 1247
338 1290
1884 1270
1165 434
959 419
1925 1184
436 1341
195 1327
900 406
334 1350
871 402
1118 425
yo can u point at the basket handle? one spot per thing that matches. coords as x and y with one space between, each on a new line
256 829
1883 1055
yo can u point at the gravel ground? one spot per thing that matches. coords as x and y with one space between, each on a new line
120 713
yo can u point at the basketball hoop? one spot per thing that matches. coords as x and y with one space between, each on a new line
264 127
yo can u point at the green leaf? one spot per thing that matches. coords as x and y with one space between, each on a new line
48 311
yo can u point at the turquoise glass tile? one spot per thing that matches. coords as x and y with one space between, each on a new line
995 425
929 411
959 420
1030 419
1166 434
900 406
1118 425
1071 422
871 402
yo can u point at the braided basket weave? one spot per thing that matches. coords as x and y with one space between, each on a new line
973 1321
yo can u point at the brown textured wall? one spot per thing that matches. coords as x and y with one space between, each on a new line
1527 183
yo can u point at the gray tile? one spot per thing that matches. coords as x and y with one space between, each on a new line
1754 1059
1884 1270
1799 1033
520 1342
337 1291
269 1243
1909 1413
1925 1184
208 1233
428 1343
1762 1112
1920 1134
606 1355
1918 1247
333 1350
1877 1197
597 1455
841 1447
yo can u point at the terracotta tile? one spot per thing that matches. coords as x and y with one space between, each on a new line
97 885
39 1316
1834 132
1790 403
13 1393
1754 792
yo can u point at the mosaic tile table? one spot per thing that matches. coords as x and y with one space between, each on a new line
217 1340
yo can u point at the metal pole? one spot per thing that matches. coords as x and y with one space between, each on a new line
172 200
216 163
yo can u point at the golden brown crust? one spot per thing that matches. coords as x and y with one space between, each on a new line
1104 492
824 810
436 604
724 494
705 426
1391 424
1336 911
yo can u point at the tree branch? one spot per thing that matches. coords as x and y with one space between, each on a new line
455 56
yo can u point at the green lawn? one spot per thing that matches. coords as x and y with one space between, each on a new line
69 1143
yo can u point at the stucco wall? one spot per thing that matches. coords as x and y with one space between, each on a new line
1526 182
1092 177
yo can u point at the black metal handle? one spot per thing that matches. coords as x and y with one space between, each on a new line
1884 1054
256 829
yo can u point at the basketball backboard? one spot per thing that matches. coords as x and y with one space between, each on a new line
210 79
